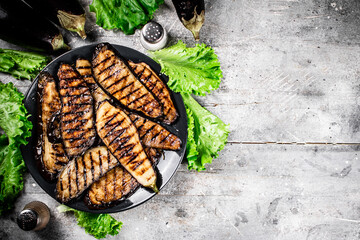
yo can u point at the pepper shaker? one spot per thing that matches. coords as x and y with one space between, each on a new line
35 216
153 36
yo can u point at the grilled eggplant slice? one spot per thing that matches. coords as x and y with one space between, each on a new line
50 153
121 137
83 66
154 135
152 81
79 174
115 185
77 115
114 75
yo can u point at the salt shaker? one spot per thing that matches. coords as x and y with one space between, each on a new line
35 216
153 36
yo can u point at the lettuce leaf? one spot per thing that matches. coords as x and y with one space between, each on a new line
195 71
22 65
191 151
191 70
14 122
126 15
98 225
209 134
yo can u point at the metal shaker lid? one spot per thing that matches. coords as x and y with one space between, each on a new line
153 32
27 219
153 36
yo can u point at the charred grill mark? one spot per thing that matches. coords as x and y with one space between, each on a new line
140 73
114 184
138 165
83 67
117 81
84 170
128 150
149 130
100 162
121 142
124 87
76 174
137 99
77 104
152 87
156 134
102 61
115 123
72 139
166 137
101 71
92 166
120 132
68 178
112 118
61 185
130 93
132 158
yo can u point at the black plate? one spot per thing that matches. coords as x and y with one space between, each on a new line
167 165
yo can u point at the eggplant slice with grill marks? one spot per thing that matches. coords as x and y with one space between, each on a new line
50 153
119 134
152 81
83 66
115 76
83 171
152 134
77 114
115 185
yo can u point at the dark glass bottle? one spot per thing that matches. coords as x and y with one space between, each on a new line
35 216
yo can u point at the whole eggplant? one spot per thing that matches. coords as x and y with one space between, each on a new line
19 24
192 14
68 14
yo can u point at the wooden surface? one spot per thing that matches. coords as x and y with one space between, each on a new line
291 95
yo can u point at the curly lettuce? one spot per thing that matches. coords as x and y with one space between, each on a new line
14 122
22 65
207 134
191 70
98 225
196 71
127 15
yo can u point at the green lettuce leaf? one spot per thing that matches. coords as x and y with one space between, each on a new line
126 15
98 225
191 152
190 70
22 65
14 122
206 132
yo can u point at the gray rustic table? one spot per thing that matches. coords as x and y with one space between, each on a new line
291 95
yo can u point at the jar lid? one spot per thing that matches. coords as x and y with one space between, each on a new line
27 219
153 32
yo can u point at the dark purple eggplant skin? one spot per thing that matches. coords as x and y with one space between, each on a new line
21 25
192 14
52 9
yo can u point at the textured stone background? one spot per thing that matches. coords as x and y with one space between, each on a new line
291 94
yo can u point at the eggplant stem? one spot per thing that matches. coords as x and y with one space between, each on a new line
58 43
154 188
74 23
195 23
